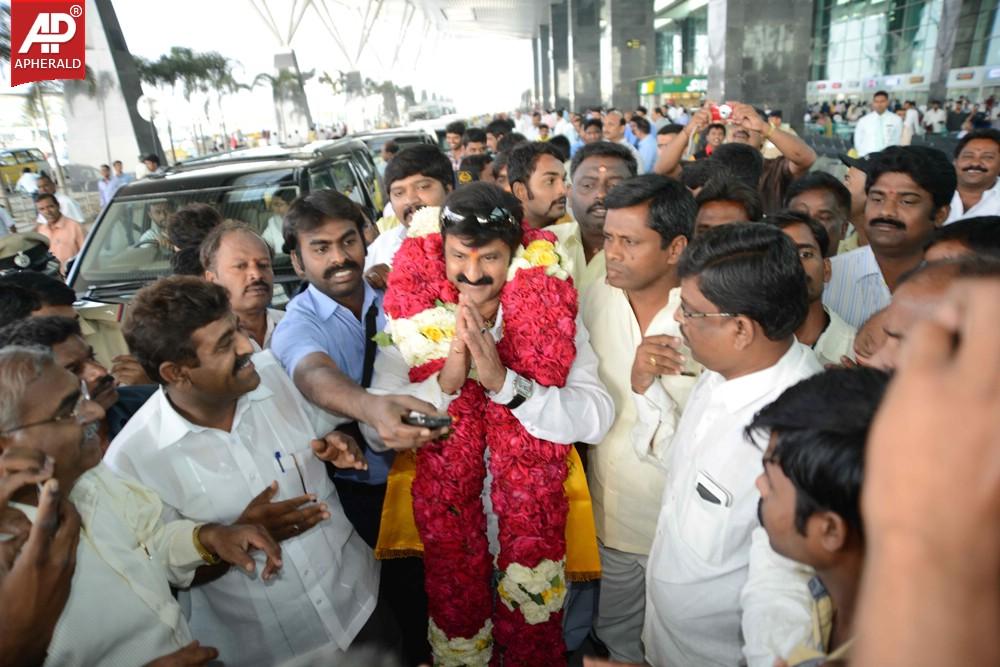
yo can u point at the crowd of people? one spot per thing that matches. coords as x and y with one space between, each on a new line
610 383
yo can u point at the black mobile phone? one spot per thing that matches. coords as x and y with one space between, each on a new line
427 421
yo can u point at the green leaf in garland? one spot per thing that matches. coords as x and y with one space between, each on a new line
382 339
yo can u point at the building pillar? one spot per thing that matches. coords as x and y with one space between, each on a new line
629 42
759 53
947 29
537 60
584 53
559 48
545 58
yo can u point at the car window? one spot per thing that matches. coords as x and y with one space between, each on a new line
337 176
130 241
36 155
7 158
24 157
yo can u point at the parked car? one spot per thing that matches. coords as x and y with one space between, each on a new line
126 249
14 160
81 177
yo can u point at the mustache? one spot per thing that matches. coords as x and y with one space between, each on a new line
561 201
103 384
410 210
241 363
887 221
596 205
482 282
347 264
258 283
976 168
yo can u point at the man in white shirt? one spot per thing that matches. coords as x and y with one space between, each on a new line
418 176
878 129
614 131
106 185
630 318
935 118
28 182
977 165
717 594
67 204
908 189
830 337
237 258
127 558
228 435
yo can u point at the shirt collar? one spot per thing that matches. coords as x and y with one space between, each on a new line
737 394
325 307
867 263
174 426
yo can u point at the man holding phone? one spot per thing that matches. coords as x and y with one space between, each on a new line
228 435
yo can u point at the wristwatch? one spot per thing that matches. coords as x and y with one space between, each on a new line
523 389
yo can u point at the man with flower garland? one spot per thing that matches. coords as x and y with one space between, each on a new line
630 317
484 324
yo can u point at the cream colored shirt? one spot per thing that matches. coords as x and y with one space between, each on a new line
836 341
626 487
120 611
570 247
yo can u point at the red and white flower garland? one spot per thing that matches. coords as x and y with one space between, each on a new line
539 306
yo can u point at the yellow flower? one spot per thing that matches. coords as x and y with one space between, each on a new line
541 253
437 333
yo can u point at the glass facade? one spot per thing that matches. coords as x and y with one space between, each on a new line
856 39
682 44
977 40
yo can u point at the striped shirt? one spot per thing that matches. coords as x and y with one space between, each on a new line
856 290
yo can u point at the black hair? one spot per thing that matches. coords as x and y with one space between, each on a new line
928 167
499 163
421 159
481 201
45 195
641 124
593 122
774 113
163 317
315 209
880 93
188 226
45 331
499 128
640 109
732 189
473 135
785 218
604 149
980 234
471 167
671 207
752 270
696 174
507 143
390 147
822 450
985 133
716 126
820 180
48 290
17 303
455 127
106 166
523 159
746 163
561 143
670 128
186 262
210 246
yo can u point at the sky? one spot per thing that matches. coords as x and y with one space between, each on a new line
480 72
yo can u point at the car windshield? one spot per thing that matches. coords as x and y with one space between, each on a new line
130 243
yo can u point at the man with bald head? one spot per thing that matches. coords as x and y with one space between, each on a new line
237 258
614 131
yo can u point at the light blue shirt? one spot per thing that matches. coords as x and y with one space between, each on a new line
647 151
107 189
314 322
856 290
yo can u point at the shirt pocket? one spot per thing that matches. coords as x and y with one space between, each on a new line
706 518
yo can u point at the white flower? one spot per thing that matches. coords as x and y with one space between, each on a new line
537 591
425 336
473 651
425 222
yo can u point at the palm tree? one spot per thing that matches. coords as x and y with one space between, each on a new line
35 108
5 33
285 88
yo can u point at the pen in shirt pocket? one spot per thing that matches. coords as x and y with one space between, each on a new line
281 466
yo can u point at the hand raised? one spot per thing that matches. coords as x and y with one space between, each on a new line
285 518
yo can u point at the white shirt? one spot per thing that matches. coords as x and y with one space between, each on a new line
273 234
326 589
385 247
625 484
836 341
712 574
989 204
876 132
68 207
120 612
936 118
857 290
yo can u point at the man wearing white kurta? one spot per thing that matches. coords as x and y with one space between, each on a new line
631 318
879 128
716 593
327 588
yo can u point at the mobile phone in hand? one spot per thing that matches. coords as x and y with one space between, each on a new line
427 421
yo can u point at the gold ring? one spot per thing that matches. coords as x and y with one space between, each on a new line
652 359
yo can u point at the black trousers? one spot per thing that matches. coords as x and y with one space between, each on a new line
401 594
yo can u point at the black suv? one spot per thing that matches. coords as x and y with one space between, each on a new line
126 249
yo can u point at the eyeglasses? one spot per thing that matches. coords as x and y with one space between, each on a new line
694 315
77 414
